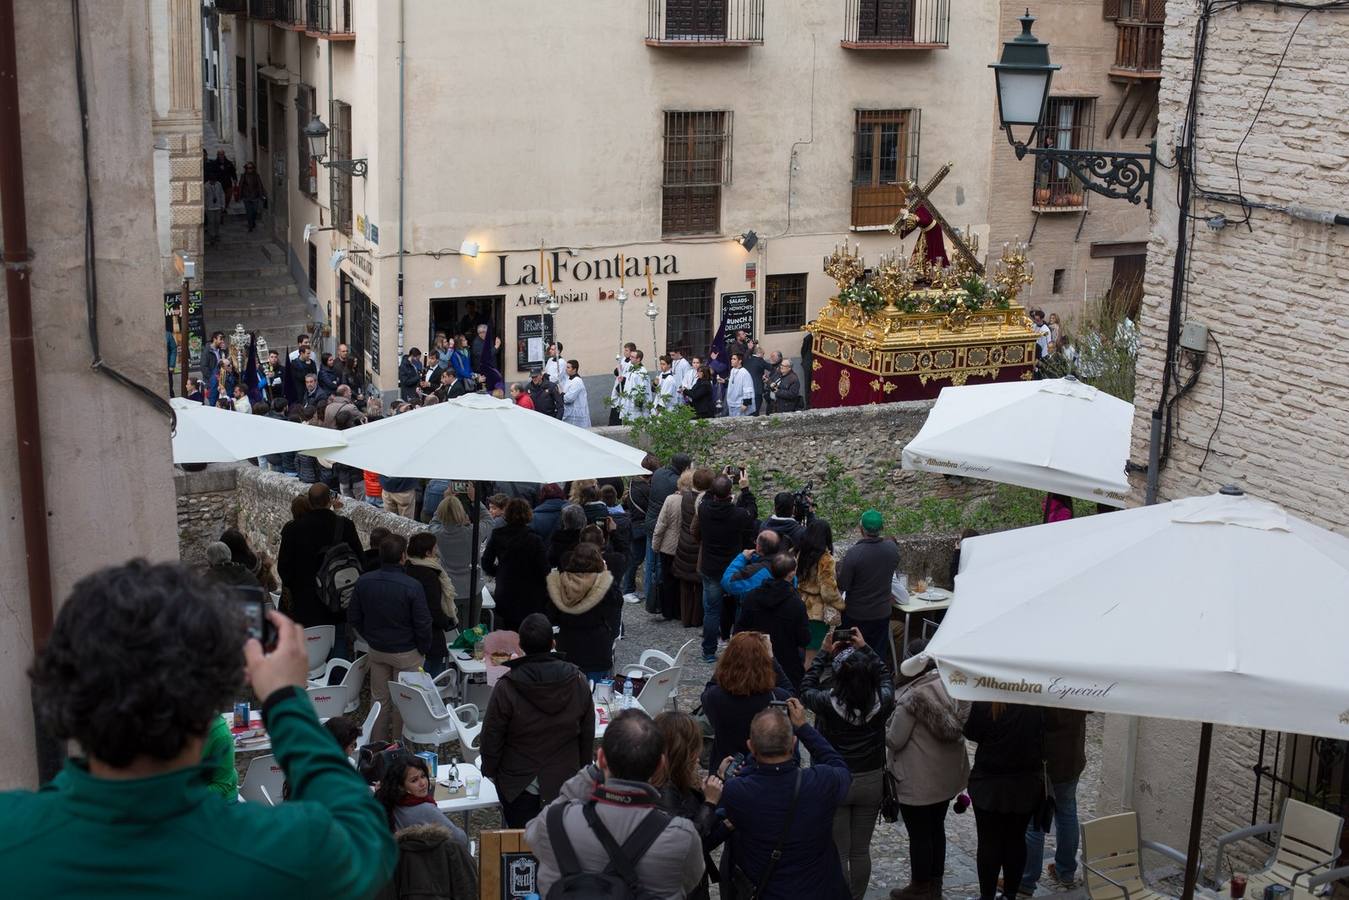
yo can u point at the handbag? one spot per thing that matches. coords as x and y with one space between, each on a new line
889 796
745 889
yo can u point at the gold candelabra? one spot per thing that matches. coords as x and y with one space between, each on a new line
1014 269
845 266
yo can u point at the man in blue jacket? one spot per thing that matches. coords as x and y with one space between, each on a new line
782 814
388 609
749 569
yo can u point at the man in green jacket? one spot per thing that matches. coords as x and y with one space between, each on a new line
141 660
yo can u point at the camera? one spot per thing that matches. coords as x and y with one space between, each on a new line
779 705
843 635
803 504
256 623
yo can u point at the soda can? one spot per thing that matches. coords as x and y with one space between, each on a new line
431 761
241 713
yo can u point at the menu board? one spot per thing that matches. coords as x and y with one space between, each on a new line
737 312
196 324
373 348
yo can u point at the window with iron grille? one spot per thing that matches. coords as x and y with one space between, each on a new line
697 165
307 170
885 155
241 94
784 303
339 180
688 321
261 108
1067 125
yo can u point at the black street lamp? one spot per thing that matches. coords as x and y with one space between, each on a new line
1023 76
317 135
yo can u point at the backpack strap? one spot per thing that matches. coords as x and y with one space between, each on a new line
623 859
563 851
337 531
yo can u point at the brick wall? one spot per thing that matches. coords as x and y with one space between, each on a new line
1272 296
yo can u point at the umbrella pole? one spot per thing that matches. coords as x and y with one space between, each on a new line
474 592
1197 812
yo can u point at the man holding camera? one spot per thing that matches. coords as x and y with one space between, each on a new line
782 814
140 663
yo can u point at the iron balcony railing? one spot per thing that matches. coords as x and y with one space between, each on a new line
896 24
715 23
231 6
328 16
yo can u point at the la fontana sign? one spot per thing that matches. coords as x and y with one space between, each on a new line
585 274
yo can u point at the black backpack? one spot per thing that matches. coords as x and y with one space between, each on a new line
337 574
619 879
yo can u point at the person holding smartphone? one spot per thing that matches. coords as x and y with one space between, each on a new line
850 691
139 691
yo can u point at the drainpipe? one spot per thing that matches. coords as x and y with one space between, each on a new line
23 365
402 80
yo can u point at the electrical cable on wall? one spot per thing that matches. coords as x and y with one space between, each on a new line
90 258
1222 399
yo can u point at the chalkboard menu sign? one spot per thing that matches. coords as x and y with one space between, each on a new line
509 869
533 334
737 312
196 324
374 338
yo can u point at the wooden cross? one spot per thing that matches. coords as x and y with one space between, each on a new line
924 195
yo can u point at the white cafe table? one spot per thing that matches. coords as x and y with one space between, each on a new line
467 667
487 792
259 744
933 600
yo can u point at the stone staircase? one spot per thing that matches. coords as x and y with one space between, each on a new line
248 282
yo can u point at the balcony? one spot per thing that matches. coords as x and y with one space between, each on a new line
231 7
704 23
1138 50
329 19
896 25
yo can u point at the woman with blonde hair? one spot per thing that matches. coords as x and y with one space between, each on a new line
744 682
818 584
683 790
577 487
454 540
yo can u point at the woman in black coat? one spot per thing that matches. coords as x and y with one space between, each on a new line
424 567
516 557
701 397
1006 787
586 605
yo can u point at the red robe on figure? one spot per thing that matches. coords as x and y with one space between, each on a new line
932 242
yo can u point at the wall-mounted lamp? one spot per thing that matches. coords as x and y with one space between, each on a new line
310 230
317 135
749 240
469 249
338 255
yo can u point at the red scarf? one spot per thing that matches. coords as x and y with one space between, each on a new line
409 800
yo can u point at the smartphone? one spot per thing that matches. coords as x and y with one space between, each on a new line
780 705
843 635
256 623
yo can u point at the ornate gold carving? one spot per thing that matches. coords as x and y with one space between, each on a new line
875 384
890 387
1027 375
814 385
976 356
905 362
861 356
844 384
815 365
829 347
943 359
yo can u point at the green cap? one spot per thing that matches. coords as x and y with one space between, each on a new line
872 521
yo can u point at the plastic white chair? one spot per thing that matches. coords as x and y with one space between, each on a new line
328 701
263 771
351 682
430 686
1307 844
470 732
318 640
368 725
266 795
421 725
653 661
658 689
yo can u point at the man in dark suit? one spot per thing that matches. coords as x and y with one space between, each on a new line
303 544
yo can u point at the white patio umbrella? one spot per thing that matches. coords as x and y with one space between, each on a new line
1160 611
480 438
206 434
1057 435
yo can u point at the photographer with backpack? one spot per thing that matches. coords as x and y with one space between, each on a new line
320 546
605 838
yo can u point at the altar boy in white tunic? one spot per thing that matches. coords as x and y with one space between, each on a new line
575 403
739 389
635 400
667 386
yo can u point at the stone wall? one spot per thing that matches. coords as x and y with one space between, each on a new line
865 440
1279 395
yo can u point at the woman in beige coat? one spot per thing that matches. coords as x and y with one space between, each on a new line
665 542
928 760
